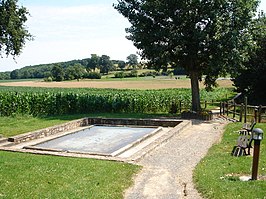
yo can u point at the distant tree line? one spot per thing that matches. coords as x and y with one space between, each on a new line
92 67
154 73
4 75
89 68
77 71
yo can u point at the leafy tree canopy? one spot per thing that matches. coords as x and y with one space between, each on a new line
76 71
206 37
13 32
132 60
251 79
44 70
121 64
58 73
93 62
105 64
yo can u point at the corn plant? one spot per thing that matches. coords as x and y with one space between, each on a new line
58 101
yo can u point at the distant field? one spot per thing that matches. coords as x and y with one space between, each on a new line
18 80
119 84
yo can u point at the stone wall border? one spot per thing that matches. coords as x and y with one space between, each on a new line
91 121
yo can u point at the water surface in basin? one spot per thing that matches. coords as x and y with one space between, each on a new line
98 139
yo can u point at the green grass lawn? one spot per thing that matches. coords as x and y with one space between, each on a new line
24 176
11 126
217 175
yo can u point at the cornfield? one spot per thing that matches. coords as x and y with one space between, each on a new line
59 101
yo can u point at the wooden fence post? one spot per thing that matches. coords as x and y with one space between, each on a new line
241 112
256 114
227 108
221 106
259 113
246 110
234 113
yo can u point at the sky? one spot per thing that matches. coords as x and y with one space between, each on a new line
65 30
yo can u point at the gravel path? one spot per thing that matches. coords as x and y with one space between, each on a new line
167 171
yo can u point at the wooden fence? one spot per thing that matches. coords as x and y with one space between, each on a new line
243 112
240 112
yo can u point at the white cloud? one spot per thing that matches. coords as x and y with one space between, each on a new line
66 33
74 32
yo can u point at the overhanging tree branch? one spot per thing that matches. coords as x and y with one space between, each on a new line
13 32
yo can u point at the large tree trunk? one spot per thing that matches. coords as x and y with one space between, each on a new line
194 77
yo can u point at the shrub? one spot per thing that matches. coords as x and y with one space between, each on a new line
133 73
120 75
48 79
93 75
150 73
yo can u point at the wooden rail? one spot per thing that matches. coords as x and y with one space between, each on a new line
240 112
243 112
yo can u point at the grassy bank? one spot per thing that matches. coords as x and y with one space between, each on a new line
217 175
19 124
25 176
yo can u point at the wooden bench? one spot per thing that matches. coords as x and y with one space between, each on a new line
244 141
248 127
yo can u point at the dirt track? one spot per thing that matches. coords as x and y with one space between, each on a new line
144 84
168 171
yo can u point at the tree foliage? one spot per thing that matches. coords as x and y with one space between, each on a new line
121 65
73 69
205 37
132 60
251 79
76 71
13 32
4 75
58 73
105 64
93 62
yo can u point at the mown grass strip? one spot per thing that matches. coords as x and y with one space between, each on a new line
18 124
24 176
217 175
